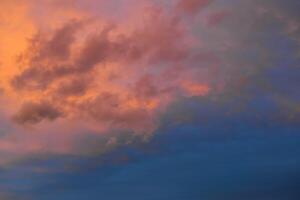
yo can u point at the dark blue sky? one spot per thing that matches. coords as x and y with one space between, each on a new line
212 156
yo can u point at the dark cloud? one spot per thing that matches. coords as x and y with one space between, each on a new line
97 49
40 76
192 6
59 45
47 58
73 87
146 87
32 113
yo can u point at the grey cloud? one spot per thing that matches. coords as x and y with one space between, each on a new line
32 113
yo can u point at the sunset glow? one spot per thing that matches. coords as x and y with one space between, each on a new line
82 81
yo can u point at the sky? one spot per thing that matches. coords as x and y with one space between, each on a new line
149 99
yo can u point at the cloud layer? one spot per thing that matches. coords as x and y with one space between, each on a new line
72 73
106 75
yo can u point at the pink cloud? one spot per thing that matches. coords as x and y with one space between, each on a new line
192 6
217 18
89 74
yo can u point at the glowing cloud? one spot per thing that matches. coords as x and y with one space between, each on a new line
88 70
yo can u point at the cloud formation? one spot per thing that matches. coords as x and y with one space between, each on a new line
101 74
86 72
84 82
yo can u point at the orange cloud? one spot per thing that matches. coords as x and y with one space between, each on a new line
195 89
78 73
15 27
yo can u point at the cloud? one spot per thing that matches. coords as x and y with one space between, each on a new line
58 47
64 65
88 74
85 75
80 79
45 52
31 113
192 6
216 18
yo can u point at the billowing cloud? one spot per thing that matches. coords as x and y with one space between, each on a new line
82 79
100 75
76 72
